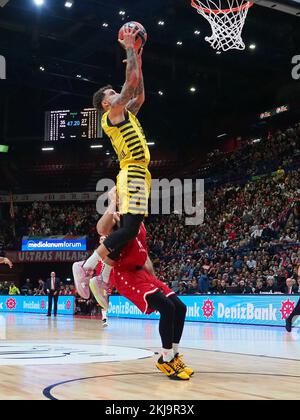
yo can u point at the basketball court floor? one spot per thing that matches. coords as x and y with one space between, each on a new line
75 359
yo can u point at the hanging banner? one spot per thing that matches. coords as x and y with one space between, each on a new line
48 197
46 257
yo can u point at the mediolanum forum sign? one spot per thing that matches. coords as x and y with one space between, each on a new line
54 243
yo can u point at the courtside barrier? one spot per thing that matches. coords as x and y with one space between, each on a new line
255 310
36 304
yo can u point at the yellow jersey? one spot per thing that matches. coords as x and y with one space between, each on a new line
128 140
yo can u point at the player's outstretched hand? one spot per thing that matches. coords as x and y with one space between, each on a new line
129 37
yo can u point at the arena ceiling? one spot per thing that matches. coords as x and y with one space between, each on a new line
57 57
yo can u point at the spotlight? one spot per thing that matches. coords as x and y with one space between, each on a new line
122 13
197 32
78 76
160 92
47 149
105 25
252 46
3 2
39 2
161 23
193 89
69 3
179 42
42 68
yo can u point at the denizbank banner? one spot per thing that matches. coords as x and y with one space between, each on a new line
54 243
35 304
255 310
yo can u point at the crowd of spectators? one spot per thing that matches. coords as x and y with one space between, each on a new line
250 236
45 219
280 148
38 288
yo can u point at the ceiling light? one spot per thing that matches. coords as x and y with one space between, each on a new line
69 3
42 68
193 89
161 23
39 2
122 13
219 52
179 42
96 146
252 46
107 153
160 92
151 143
197 32
78 76
221 135
105 25
47 149
3 2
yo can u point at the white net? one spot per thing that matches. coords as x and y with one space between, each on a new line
226 23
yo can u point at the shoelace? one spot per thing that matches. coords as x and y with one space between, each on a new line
177 363
181 362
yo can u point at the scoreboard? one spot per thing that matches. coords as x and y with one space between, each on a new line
73 125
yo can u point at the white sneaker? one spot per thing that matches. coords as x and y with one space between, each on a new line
99 289
81 280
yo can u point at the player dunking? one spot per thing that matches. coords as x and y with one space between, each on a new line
119 122
134 278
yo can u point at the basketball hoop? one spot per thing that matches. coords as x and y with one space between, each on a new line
226 23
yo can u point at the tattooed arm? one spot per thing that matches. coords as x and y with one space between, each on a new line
135 104
132 74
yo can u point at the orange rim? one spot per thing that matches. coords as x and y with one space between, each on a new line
217 11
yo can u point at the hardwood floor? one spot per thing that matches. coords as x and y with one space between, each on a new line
69 359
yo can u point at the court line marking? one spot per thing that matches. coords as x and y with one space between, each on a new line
48 394
243 354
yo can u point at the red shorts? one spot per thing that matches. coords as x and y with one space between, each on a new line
137 285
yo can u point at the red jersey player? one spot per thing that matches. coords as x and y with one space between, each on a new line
134 278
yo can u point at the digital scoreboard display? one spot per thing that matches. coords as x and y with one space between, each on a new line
73 125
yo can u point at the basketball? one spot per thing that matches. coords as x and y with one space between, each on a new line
141 37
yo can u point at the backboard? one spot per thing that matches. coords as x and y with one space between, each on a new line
287 6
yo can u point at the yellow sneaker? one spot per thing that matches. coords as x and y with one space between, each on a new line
172 369
181 363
